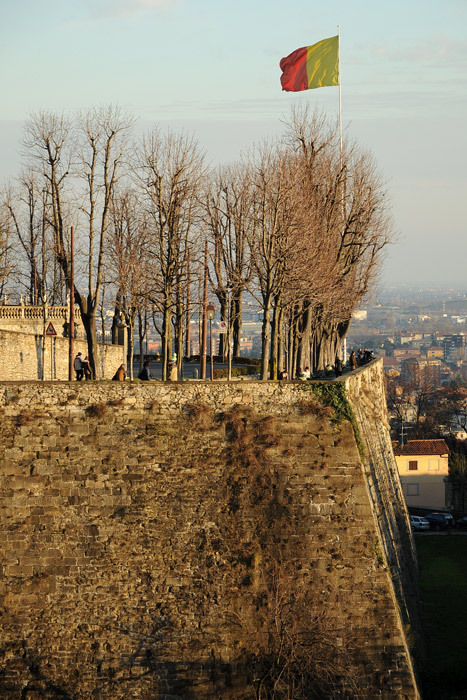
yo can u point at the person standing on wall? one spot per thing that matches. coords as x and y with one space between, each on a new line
86 369
338 366
78 367
145 374
120 374
173 371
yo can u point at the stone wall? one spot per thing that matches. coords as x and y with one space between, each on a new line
202 541
28 356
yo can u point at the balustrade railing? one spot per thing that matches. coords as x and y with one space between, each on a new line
37 312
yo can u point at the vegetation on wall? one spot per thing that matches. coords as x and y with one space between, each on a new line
334 395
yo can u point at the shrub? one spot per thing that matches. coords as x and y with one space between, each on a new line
235 372
200 414
96 410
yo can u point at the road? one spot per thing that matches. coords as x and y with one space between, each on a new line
191 370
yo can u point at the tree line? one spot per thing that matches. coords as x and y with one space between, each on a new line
298 223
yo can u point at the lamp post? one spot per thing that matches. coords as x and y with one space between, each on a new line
210 313
204 318
229 353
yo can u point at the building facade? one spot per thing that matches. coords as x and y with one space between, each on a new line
424 472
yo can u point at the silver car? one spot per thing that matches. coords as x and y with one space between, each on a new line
419 523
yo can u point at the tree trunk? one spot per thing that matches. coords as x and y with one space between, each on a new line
166 340
131 333
275 340
237 308
89 323
142 333
280 341
265 332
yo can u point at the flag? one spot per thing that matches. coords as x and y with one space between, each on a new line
312 66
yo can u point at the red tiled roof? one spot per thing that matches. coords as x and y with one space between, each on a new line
422 447
390 362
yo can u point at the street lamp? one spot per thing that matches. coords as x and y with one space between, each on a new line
229 353
210 313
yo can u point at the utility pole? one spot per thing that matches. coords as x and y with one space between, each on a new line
188 313
204 328
229 353
71 326
210 313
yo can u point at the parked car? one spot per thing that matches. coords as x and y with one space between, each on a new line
440 521
418 523
462 523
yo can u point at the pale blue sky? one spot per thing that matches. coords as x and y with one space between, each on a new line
213 67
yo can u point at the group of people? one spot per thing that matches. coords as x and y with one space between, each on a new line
356 359
361 357
82 367
145 372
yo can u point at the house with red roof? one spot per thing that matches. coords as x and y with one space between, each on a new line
424 472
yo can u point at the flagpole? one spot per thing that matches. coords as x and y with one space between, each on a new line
340 91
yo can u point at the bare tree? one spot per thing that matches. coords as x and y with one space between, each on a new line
48 146
344 198
128 263
228 219
102 144
27 211
5 262
288 269
171 171
91 149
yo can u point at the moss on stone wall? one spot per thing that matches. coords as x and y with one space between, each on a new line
334 395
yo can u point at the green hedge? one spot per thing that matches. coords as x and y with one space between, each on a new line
236 372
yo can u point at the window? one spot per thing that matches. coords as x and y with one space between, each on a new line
413 490
412 466
433 465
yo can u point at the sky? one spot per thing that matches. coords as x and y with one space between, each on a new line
212 68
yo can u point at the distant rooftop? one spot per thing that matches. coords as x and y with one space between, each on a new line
422 447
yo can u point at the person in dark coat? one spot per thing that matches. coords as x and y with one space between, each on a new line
145 374
352 361
338 366
78 367
87 369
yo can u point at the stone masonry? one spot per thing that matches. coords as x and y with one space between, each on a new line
27 353
197 540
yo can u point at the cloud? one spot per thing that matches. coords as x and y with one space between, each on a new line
438 49
125 8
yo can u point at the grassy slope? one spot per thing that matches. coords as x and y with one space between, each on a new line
443 588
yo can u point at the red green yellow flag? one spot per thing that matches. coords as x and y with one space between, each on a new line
312 66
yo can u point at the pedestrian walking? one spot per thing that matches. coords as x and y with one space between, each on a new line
78 367
86 369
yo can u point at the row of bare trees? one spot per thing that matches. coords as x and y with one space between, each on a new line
298 224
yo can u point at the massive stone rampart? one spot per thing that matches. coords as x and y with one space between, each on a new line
202 540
